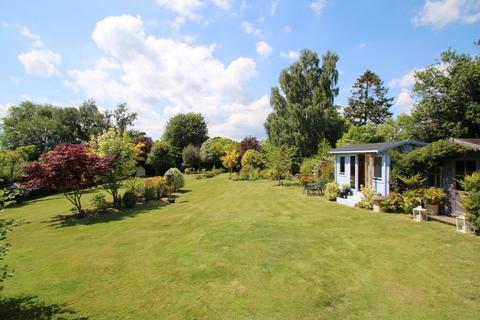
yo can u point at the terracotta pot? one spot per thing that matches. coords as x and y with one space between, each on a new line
432 208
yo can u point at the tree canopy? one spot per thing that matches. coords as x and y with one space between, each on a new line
184 129
117 146
448 98
45 125
212 149
68 168
303 106
161 157
369 102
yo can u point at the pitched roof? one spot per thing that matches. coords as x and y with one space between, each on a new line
374 147
473 143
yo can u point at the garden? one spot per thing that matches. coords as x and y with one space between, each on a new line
100 221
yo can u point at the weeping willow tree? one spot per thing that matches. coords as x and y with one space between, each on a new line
304 112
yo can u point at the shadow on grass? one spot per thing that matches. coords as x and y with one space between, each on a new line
48 196
29 307
61 221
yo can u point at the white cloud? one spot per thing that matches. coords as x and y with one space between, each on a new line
407 80
440 13
188 9
40 62
293 55
273 10
4 109
264 49
248 28
185 8
222 4
287 29
404 101
28 34
14 79
362 45
160 77
317 6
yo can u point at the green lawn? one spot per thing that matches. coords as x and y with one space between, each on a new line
239 250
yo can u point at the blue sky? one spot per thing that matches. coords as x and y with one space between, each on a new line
217 57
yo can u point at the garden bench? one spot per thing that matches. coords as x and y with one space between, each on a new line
313 188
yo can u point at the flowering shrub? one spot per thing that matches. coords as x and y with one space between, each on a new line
411 199
367 200
304 178
157 185
434 195
393 202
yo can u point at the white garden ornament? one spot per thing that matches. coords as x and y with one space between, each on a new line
463 225
419 213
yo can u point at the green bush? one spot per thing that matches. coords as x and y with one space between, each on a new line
99 202
309 166
434 195
129 199
471 201
149 194
393 203
178 179
367 199
137 186
331 191
411 199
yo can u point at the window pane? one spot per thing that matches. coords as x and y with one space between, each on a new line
352 171
342 164
470 166
377 167
460 167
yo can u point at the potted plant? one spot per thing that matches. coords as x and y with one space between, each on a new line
432 197
345 190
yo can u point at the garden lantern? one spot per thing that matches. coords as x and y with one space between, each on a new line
462 224
418 213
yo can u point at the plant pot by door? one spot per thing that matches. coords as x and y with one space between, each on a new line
432 208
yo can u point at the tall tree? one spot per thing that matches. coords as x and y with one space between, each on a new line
448 96
120 118
369 102
117 146
31 124
303 107
184 129
368 133
13 163
91 121
45 125
161 157
70 169
401 128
